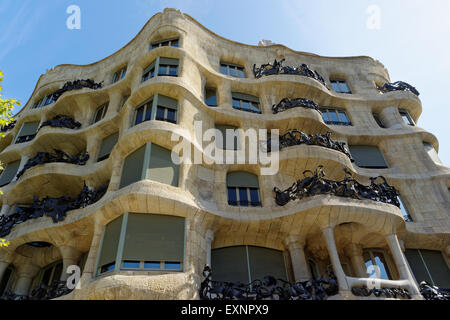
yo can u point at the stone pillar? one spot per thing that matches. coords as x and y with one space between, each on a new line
93 147
70 256
296 249
401 264
115 99
209 237
91 261
356 256
328 233
3 266
5 209
391 118
25 274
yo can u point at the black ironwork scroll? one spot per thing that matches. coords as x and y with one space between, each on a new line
9 126
55 208
61 121
316 184
76 85
278 68
378 292
398 86
287 104
430 292
269 288
295 137
58 156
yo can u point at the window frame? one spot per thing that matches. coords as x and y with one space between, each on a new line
378 120
103 109
156 65
119 74
26 138
390 272
210 89
337 111
248 189
159 44
236 67
242 98
406 213
154 104
44 101
337 83
405 113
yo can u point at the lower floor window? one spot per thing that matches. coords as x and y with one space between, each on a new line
152 265
376 266
244 197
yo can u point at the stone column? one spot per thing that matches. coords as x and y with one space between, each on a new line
391 118
296 249
70 256
401 263
356 256
91 261
93 147
209 237
5 209
328 233
25 274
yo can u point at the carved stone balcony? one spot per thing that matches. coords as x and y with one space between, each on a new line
398 86
296 138
287 104
58 156
269 288
278 68
55 208
61 121
316 184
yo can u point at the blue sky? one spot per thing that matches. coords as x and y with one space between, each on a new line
413 41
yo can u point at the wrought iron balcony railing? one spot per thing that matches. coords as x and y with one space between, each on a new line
270 288
316 184
398 86
386 292
287 104
61 121
278 68
295 138
43 292
75 85
55 208
58 156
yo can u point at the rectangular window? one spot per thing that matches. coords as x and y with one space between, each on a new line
429 266
378 120
119 75
27 132
152 265
369 157
165 43
232 70
232 196
243 197
143 113
149 72
46 100
406 117
335 116
404 210
9 173
100 113
246 103
131 265
107 145
340 86
161 67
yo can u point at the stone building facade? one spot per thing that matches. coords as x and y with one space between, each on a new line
150 232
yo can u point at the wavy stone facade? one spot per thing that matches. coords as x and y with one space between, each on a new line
315 234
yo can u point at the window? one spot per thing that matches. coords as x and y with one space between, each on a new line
107 145
7 280
313 269
46 100
406 117
124 100
340 86
377 118
232 70
429 266
369 157
50 274
376 266
432 152
404 210
9 172
143 242
247 264
211 97
27 132
100 113
161 67
165 43
159 166
228 142
159 108
119 75
246 102
243 189
335 116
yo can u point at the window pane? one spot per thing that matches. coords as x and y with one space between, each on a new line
233 72
163 70
381 263
335 86
254 197
139 115
243 197
223 69
333 115
232 197
155 45
345 88
236 104
172 266
107 267
246 106
160 113
123 74
343 117
255 107
98 115
152 265
148 113
325 116
240 73
171 116
175 43
131 264
165 44
46 276
173 71
211 98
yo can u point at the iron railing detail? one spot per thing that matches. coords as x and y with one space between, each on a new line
61 121
378 292
398 86
287 104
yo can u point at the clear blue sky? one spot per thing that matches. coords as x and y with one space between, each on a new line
413 41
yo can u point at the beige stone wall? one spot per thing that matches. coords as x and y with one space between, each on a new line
201 196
